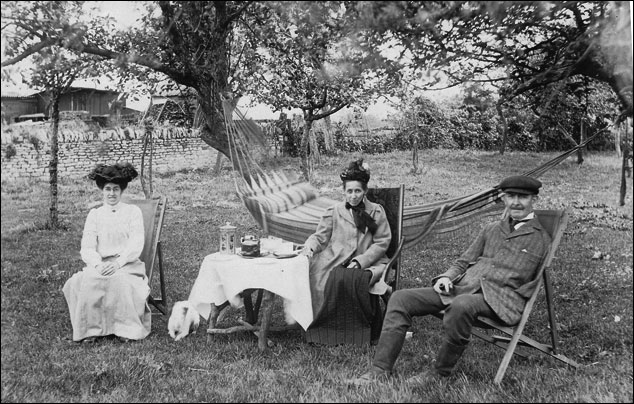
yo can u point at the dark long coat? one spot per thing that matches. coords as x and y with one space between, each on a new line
337 241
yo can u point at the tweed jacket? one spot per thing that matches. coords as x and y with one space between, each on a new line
337 241
503 264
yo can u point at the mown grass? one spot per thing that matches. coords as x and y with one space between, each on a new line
593 298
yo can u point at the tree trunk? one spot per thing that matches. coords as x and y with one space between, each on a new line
414 141
213 132
617 139
211 87
329 141
315 155
627 148
218 165
147 140
304 150
505 129
624 169
582 137
53 218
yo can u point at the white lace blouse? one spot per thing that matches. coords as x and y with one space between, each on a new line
113 232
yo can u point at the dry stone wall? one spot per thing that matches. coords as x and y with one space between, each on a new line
29 157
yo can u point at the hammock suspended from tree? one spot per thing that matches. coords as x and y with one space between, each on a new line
286 207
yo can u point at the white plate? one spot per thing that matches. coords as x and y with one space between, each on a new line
286 255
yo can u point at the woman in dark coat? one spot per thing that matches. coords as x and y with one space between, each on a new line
347 264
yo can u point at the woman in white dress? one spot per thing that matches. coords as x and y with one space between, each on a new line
109 296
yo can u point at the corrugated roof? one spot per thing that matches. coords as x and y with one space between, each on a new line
102 84
71 88
18 93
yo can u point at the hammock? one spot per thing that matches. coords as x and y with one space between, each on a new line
286 207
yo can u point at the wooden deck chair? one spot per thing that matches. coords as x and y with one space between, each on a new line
555 222
392 200
153 213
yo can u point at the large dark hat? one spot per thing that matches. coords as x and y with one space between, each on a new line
117 173
356 171
521 184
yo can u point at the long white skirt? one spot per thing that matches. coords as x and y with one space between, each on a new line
105 305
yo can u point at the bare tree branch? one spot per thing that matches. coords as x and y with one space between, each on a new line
29 51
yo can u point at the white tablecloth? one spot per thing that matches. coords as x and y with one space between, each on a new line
222 277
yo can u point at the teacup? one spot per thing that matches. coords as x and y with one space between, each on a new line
270 244
286 247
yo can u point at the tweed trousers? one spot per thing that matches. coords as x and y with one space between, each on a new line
458 319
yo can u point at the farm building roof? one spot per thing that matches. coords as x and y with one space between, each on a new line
18 94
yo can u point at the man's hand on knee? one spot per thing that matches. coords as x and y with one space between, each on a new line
443 286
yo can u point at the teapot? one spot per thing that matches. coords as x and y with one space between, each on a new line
250 246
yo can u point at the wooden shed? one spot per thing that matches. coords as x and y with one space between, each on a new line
15 104
94 101
86 101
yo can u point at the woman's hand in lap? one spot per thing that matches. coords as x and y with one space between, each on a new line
354 264
108 268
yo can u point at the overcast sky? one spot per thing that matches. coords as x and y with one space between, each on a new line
124 12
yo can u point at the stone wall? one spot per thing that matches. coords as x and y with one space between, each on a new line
77 158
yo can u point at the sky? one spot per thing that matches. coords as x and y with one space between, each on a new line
124 12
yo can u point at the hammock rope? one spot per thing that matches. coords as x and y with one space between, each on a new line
286 207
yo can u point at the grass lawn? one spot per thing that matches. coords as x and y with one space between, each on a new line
593 297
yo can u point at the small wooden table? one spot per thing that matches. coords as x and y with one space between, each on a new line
231 279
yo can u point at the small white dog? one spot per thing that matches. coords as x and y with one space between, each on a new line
183 320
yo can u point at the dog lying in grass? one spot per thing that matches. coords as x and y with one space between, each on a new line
183 320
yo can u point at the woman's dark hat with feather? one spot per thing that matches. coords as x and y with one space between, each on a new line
116 173
356 171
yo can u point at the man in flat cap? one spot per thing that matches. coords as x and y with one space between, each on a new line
493 278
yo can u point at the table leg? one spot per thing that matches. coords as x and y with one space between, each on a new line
252 311
214 313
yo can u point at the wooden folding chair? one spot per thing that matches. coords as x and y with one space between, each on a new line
555 222
392 200
153 213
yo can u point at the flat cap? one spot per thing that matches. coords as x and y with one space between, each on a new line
521 184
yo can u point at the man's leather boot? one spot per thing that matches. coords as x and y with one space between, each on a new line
448 357
387 350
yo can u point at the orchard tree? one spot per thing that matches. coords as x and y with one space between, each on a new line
566 112
54 69
520 46
188 41
307 62
424 124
